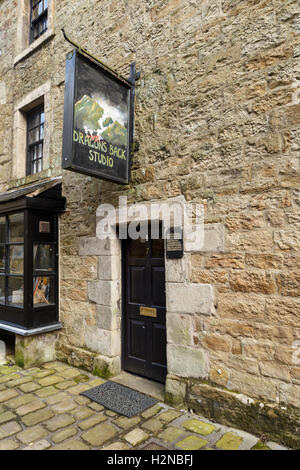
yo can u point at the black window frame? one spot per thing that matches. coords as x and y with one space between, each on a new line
34 22
31 146
8 244
36 210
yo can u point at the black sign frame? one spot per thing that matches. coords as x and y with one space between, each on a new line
174 246
68 163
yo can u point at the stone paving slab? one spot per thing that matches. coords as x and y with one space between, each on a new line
41 409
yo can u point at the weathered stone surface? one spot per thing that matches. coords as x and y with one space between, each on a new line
30 407
9 444
104 292
107 367
229 441
82 412
104 342
116 446
46 392
151 411
127 423
191 443
170 434
213 239
99 434
35 350
59 422
30 387
7 394
175 391
95 246
37 417
6 416
136 437
200 427
187 362
32 434
39 445
69 373
9 429
109 268
168 416
19 401
153 425
108 318
201 298
73 444
180 329
92 421
64 434
64 406
51 380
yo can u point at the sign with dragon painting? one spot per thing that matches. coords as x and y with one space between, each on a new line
97 130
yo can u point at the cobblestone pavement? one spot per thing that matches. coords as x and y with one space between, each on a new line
40 408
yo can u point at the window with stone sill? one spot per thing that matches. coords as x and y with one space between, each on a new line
35 140
38 19
35 25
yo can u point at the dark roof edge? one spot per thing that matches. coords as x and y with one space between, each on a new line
31 190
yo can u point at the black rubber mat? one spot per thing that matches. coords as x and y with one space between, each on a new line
121 399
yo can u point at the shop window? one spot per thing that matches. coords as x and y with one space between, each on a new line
38 18
35 140
29 261
12 260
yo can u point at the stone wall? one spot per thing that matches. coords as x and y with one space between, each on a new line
217 122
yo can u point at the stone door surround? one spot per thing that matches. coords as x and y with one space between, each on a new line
182 359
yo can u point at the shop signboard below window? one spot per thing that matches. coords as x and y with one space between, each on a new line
97 120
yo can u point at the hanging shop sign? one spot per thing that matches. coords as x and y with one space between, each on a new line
98 120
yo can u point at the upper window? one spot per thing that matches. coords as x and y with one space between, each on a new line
35 140
38 19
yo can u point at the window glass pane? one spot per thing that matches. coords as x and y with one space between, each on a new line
2 290
43 257
40 7
43 291
42 132
33 119
33 135
34 168
45 4
15 291
16 259
16 228
35 12
40 151
2 258
2 229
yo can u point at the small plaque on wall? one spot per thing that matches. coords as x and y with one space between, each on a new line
174 243
44 227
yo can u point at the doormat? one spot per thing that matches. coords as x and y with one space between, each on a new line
118 398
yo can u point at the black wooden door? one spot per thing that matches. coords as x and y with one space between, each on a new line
144 322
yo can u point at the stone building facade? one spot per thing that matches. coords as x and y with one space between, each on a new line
217 122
